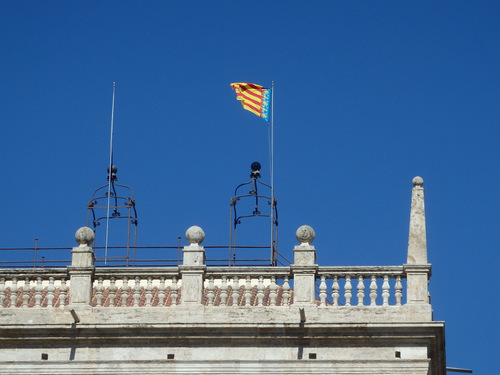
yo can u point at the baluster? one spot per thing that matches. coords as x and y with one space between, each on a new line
399 289
38 292
335 290
236 291
248 292
286 291
112 291
50 292
385 291
2 291
361 291
13 292
26 292
223 291
210 291
161 292
272 291
98 292
125 292
137 291
347 290
322 291
149 291
260 291
373 291
62 293
173 291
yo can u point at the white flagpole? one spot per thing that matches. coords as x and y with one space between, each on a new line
110 173
273 255
272 138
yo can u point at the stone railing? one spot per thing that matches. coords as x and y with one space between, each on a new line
302 283
222 286
25 288
193 283
134 287
361 286
244 286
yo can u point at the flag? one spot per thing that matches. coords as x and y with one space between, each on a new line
254 98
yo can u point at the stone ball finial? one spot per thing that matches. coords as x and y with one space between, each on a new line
305 235
84 236
418 181
195 235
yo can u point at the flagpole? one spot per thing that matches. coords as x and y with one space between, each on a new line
273 250
110 173
272 137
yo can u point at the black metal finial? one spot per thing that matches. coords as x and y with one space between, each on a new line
114 169
255 169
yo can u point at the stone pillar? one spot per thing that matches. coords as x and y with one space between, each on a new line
304 267
417 269
82 268
193 267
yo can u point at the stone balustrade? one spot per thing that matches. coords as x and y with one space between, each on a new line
361 286
36 288
303 283
248 286
136 287
222 286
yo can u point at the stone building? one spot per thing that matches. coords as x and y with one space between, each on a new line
196 319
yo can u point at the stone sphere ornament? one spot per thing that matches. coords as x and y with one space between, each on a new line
195 235
305 235
84 236
418 181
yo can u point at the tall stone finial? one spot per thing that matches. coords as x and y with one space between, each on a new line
82 268
304 267
417 240
193 267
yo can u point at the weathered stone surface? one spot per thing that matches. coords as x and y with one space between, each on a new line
417 239
84 236
115 340
305 234
198 336
240 366
195 235
81 273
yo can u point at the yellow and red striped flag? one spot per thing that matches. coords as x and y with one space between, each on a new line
254 98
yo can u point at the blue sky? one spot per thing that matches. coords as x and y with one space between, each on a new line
367 96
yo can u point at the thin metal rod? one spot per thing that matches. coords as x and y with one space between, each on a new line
36 248
178 250
453 369
272 139
128 235
273 260
110 173
230 232
135 241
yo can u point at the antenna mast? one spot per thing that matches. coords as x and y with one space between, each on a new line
274 246
109 176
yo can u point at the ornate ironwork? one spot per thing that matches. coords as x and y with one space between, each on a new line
120 207
235 218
